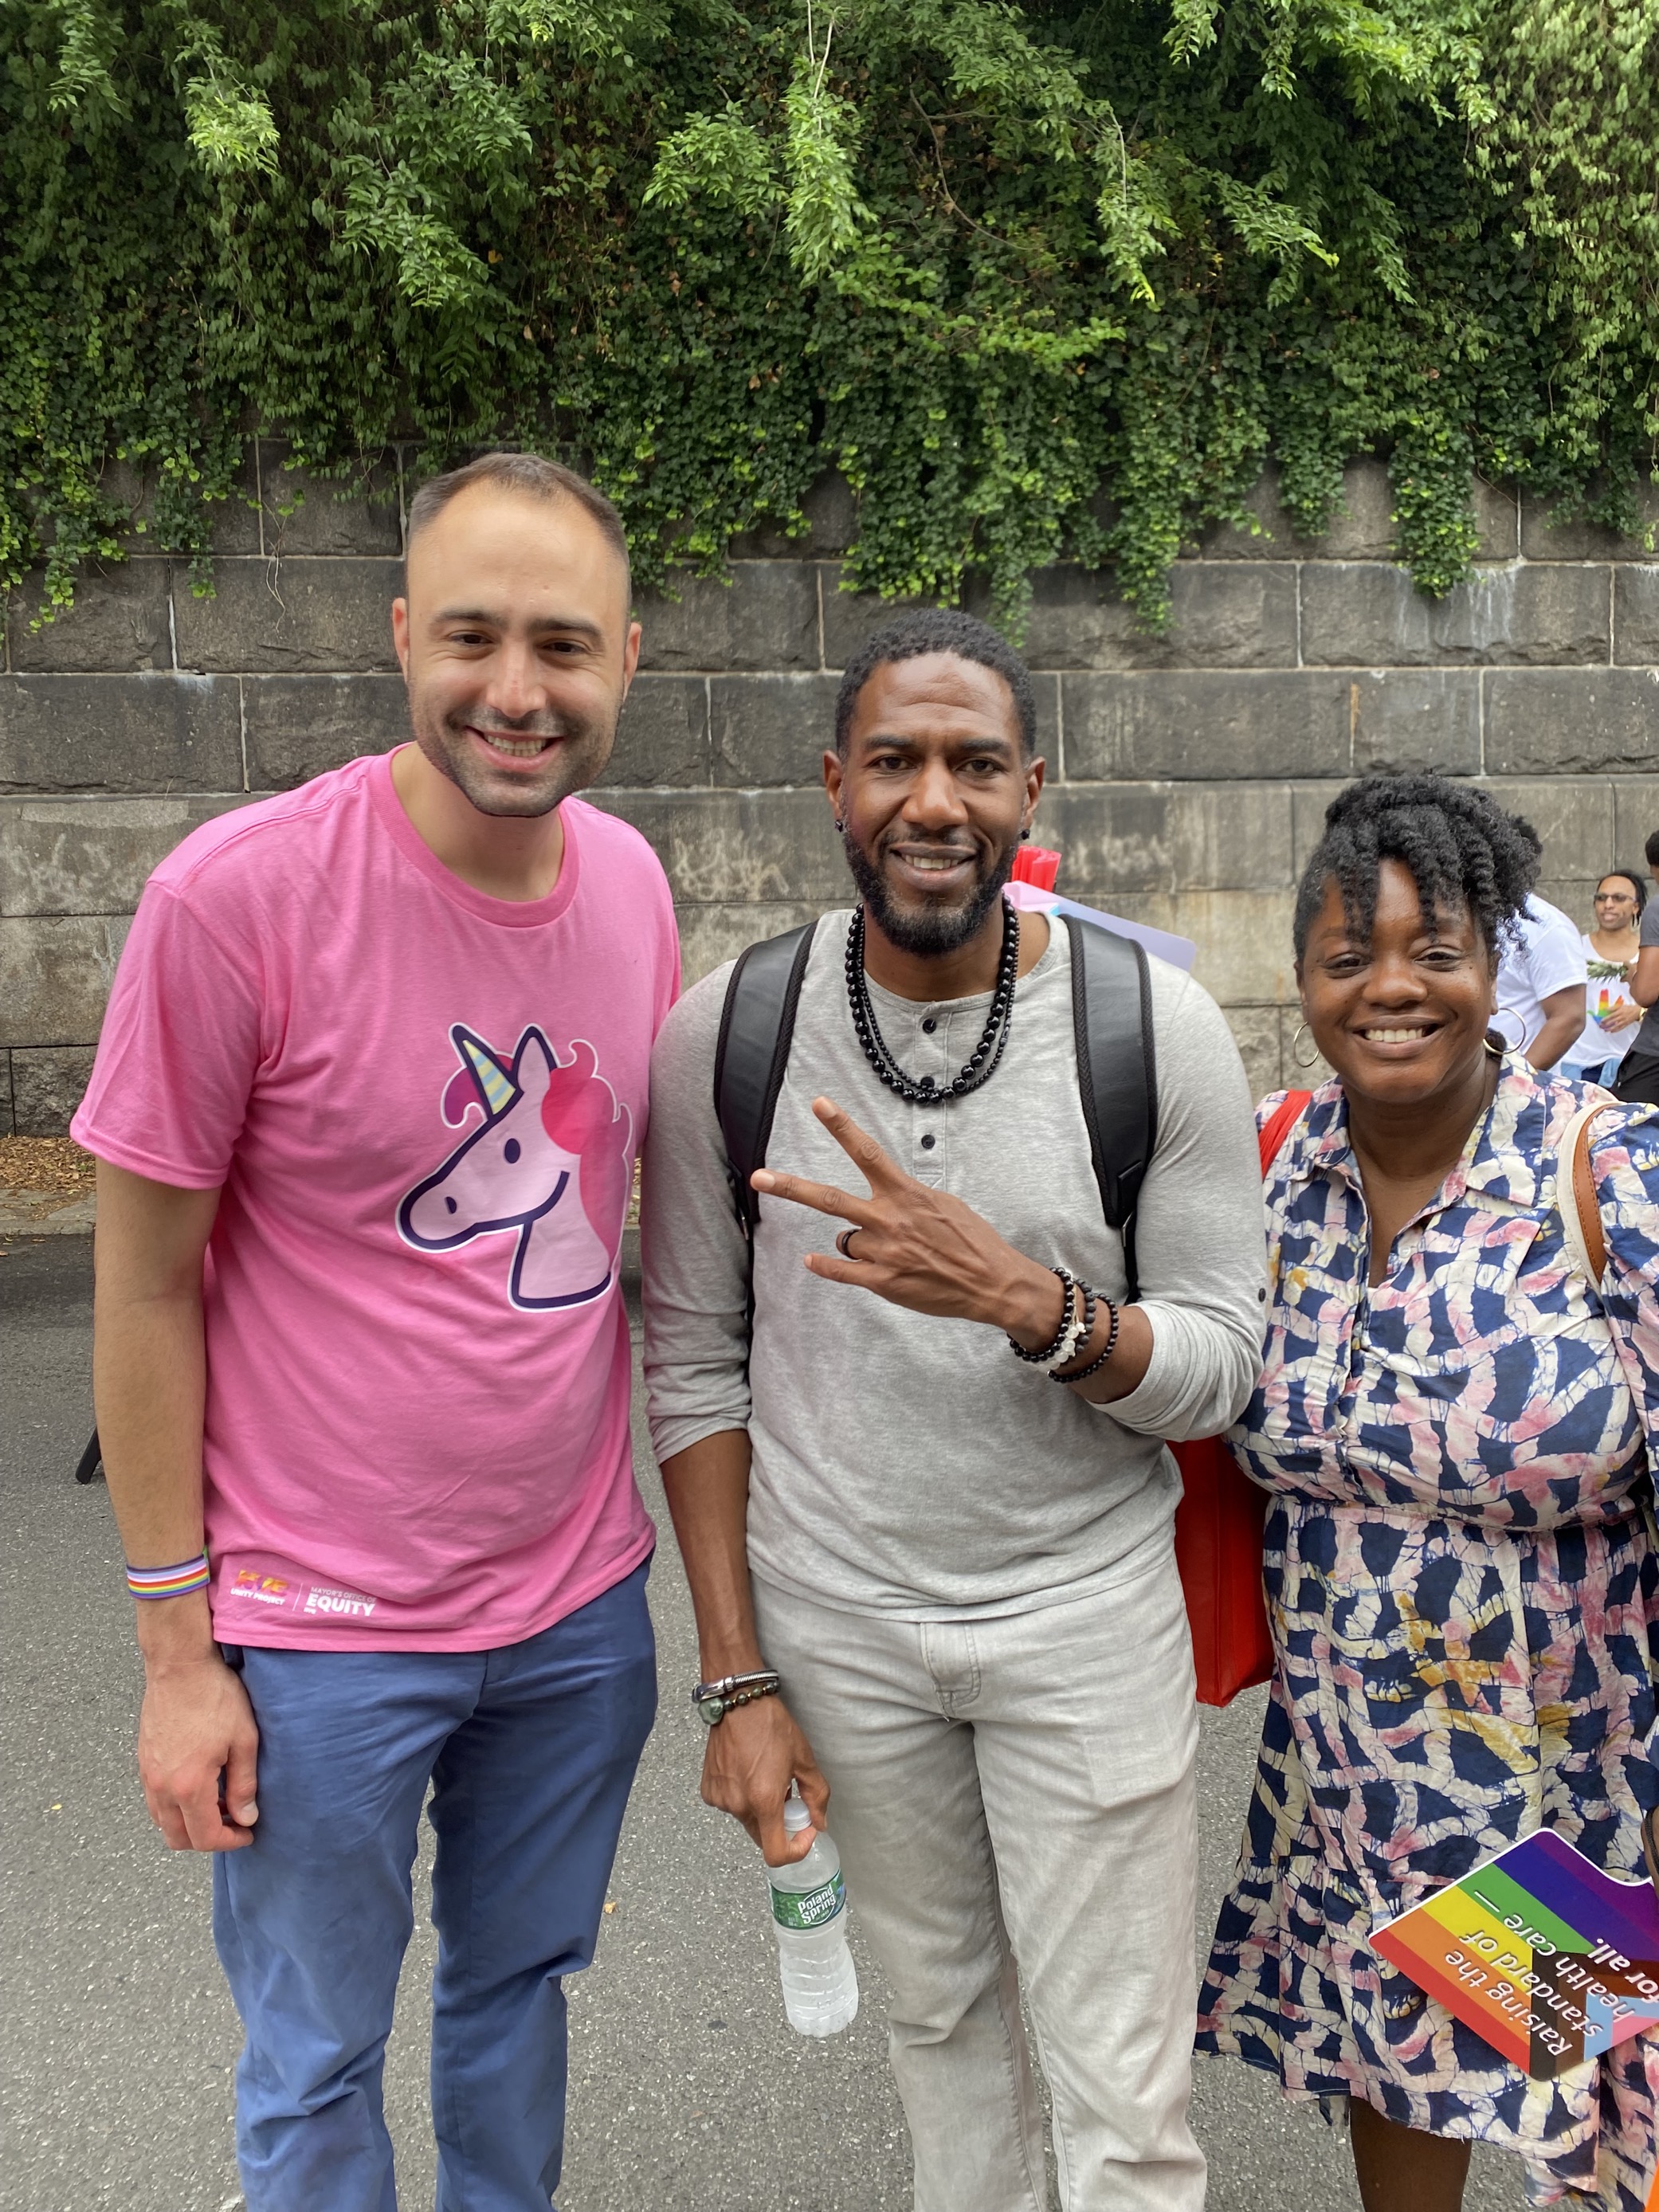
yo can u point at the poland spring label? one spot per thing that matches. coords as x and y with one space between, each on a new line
812 1908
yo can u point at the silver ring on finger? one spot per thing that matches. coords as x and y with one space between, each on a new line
844 1246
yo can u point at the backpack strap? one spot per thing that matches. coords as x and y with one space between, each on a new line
757 1024
1116 1074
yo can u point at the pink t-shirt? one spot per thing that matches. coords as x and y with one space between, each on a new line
423 1105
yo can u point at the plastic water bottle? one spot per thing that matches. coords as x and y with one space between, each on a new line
809 1907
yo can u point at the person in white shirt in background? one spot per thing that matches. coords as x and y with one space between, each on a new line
1540 981
1612 1016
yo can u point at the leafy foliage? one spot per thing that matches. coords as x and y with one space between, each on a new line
1578 146
1057 278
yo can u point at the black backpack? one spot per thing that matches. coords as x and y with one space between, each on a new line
1117 1080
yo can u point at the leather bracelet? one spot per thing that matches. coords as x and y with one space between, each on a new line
1094 1366
712 1701
1052 1350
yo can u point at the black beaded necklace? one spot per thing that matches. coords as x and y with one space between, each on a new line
981 1063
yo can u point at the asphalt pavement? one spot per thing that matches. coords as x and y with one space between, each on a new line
688 2092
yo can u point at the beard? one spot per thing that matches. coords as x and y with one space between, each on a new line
575 758
933 928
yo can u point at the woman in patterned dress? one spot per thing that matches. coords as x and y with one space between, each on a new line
1461 1563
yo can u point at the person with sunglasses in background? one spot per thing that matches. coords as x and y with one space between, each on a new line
1612 1016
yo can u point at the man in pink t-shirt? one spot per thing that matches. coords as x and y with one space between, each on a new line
366 1108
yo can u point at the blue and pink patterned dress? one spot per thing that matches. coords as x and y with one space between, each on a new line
1464 1581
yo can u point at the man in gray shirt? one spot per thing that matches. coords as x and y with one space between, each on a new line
963 1574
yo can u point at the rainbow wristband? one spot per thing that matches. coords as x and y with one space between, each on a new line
169 1581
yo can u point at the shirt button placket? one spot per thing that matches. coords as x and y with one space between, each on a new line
926 1151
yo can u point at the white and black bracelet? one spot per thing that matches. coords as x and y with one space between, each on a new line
1046 1355
1081 1329
1085 1328
1094 1366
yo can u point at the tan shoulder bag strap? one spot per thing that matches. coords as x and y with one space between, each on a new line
1581 1220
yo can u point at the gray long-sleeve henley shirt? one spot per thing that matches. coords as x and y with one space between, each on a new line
908 1465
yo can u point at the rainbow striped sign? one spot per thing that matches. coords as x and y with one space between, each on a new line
1545 1956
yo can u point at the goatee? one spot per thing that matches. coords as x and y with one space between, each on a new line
933 931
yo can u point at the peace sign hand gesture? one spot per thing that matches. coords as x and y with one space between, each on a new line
918 1247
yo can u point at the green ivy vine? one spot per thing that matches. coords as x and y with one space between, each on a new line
1041 281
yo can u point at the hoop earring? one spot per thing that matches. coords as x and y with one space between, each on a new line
1495 1029
1496 1050
1297 1061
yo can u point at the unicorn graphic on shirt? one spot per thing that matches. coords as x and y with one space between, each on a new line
548 1162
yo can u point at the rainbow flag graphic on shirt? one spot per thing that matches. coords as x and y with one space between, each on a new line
1545 1956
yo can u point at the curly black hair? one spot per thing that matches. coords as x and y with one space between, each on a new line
1464 853
937 629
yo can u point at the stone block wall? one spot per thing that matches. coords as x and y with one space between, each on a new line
1188 773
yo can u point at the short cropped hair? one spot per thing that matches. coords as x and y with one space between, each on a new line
1465 855
937 629
1651 850
523 472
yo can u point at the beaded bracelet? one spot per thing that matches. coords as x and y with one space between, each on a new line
1067 1314
1094 1366
147 1583
1082 1328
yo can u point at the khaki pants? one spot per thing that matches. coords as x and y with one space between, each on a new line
1011 1789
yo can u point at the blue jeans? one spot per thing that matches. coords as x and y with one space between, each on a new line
531 1751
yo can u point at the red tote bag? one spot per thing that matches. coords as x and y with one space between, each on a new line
1217 1534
